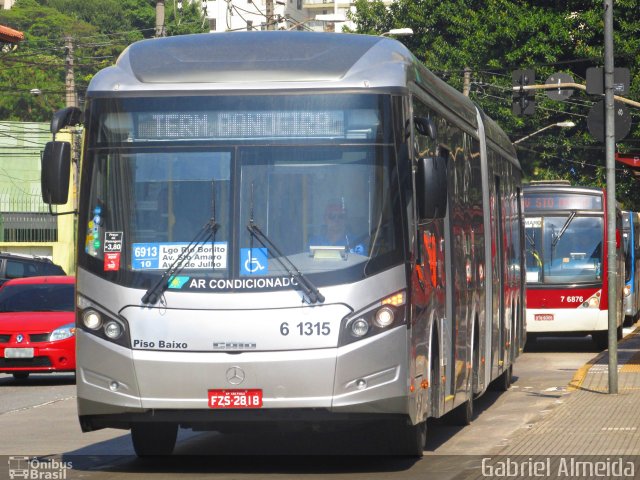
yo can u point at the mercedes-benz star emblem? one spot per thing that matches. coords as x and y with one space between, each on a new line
19 338
235 375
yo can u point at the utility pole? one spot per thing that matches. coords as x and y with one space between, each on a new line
69 82
466 88
269 15
160 18
610 147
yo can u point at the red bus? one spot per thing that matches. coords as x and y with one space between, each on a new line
566 261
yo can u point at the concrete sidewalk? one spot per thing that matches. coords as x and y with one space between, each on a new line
588 434
590 421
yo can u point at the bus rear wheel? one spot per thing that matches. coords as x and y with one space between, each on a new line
503 382
154 439
462 415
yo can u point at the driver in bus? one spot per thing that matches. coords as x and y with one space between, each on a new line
335 231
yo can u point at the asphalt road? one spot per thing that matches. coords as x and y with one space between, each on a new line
38 420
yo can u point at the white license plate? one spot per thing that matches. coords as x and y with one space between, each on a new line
18 353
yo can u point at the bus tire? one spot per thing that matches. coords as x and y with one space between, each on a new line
413 439
503 382
20 375
462 415
153 439
601 339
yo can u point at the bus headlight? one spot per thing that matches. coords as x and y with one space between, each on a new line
94 319
113 330
384 317
592 302
627 290
359 327
374 319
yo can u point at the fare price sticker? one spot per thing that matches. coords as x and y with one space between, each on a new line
113 241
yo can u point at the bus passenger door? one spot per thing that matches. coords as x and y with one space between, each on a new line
500 330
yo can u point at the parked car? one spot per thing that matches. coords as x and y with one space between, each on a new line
13 265
37 326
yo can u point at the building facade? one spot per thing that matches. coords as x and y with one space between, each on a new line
311 15
6 4
26 225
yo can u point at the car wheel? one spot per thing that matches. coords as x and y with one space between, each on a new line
154 439
21 375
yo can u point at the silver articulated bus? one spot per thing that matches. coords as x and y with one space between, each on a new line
288 227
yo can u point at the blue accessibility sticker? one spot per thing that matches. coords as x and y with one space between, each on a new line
253 261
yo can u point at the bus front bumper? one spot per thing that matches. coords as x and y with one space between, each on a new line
118 386
554 320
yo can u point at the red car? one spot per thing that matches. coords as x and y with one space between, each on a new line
37 326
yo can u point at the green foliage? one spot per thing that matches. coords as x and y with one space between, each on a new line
495 37
190 20
490 37
99 31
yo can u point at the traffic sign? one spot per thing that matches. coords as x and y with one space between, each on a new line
595 121
595 81
559 93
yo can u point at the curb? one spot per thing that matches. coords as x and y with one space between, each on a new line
581 373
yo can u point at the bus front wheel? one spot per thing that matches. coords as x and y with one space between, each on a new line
411 439
153 439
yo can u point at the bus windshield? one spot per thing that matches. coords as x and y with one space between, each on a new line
564 249
314 173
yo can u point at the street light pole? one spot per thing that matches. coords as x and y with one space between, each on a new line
565 124
610 147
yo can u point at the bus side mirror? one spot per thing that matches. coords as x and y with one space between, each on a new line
65 117
55 171
426 127
431 186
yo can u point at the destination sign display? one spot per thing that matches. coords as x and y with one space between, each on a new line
562 201
239 124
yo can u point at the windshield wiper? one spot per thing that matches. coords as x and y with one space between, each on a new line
530 240
309 289
555 241
208 231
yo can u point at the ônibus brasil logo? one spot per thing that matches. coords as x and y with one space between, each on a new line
38 468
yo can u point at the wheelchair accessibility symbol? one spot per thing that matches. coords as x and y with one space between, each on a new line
253 261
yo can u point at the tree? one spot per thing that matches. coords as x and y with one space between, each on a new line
495 37
99 29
